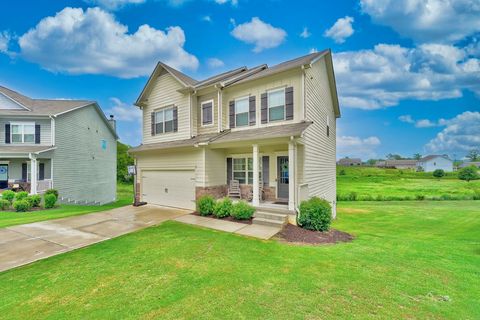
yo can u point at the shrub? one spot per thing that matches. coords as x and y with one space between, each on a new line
439 173
34 200
420 197
4 204
49 200
8 195
52 191
352 196
380 197
242 211
22 195
205 205
476 196
468 173
223 208
315 214
21 205
342 172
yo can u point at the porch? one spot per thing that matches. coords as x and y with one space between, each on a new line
33 175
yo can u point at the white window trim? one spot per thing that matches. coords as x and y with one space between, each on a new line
163 109
201 113
284 105
22 124
246 157
248 111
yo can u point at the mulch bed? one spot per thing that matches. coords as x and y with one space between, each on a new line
297 235
249 221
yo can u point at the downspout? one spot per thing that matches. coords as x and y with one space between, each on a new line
220 107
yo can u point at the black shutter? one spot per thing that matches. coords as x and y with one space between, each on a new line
24 172
232 113
252 110
264 108
41 171
37 134
207 113
266 170
153 123
175 119
289 103
7 133
229 170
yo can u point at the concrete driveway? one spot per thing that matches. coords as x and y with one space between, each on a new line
27 243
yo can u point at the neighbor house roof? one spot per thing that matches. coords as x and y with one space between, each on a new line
349 160
400 162
433 156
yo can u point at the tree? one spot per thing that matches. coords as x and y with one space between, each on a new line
371 162
392 156
417 156
124 159
438 173
468 173
473 155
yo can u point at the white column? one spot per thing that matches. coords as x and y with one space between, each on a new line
291 175
33 175
256 182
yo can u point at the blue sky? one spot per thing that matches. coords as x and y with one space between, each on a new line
408 72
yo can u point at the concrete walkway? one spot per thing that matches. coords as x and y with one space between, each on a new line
251 230
27 243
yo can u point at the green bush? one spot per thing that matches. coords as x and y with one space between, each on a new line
468 173
49 200
439 173
420 197
242 211
315 214
223 208
8 195
22 195
4 204
52 191
34 200
342 172
21 205
205 205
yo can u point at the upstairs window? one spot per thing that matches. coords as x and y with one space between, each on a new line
241 112
23 132
207 113
276 105
164 121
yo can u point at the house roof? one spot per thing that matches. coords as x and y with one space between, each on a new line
294 129
401 162
350 160
14 149
433 156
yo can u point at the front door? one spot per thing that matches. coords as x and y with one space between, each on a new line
3 176
282 177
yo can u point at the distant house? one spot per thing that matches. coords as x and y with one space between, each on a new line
468 164
433 162
397 164
349 162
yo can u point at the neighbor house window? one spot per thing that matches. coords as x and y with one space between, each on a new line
22 132
276 105
164 121
207 113
241 112
243 170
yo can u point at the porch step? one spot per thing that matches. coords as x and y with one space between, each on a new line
270 216
268 222
272 209
270 219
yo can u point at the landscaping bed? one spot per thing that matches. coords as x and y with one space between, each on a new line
297 235
229 218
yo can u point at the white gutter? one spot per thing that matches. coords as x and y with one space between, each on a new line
52 129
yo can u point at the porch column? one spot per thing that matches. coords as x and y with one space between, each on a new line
256 182
33 175
291 175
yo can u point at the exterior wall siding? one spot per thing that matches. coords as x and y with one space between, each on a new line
437 163
45 129
82 170
216 167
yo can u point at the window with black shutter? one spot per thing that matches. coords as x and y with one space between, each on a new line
165 120
207 113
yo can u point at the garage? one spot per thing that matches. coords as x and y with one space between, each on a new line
172 188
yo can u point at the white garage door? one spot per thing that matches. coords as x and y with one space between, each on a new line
172 188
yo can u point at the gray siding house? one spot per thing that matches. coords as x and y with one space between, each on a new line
68 145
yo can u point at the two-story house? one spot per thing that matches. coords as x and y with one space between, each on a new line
271 128
68 145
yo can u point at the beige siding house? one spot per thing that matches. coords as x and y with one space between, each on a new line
271 128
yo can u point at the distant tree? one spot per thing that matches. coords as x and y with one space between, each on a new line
124 159
474 155
417 156
438 173
371 162
468 173
392 156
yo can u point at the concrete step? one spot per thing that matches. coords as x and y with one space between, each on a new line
268 222
271 216
274 210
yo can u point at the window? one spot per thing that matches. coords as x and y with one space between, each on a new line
243 170
276 105
241 112
23 132
207 113
164 121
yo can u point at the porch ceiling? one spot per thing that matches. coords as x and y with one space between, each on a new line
15 151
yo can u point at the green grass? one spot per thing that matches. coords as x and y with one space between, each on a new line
402 184
406 260
8 218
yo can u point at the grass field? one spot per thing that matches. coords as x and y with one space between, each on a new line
410 260
392 184
124 197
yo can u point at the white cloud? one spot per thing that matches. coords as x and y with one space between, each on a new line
406 118
444 21
261 34
381 77
313 50
233 2
215 63
460 134
5 38
93 42
123 111
352 146
305 33
423 123
114 4
341 29
207 18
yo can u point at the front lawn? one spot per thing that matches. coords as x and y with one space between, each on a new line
9 218
410 259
